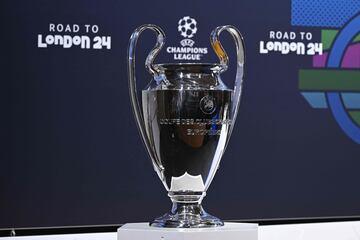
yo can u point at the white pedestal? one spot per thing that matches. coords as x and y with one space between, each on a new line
230 231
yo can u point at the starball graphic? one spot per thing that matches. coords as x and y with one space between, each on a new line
187 27
334 81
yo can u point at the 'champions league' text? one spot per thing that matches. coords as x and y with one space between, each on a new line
187 53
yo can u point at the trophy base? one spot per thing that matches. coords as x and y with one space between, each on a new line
187 215
230 231
170 220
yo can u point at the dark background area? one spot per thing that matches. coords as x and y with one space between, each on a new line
70 150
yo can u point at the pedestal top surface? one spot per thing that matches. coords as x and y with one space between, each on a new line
228 226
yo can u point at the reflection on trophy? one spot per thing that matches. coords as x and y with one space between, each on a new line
185 120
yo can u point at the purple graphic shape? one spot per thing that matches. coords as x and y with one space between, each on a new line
320 60
351 58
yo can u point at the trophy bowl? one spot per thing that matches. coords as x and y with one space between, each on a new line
185 118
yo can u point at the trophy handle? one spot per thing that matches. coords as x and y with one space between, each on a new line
224 62
132 80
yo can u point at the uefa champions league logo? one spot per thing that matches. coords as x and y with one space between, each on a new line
187 27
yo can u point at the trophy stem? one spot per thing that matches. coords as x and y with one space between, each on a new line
187 212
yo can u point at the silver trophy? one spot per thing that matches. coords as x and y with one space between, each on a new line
185 120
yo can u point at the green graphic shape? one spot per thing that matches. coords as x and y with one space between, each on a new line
355 115
329 80
328 36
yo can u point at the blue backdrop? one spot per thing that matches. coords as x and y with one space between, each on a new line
70 150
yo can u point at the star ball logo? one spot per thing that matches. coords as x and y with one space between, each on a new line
187 28
334 81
